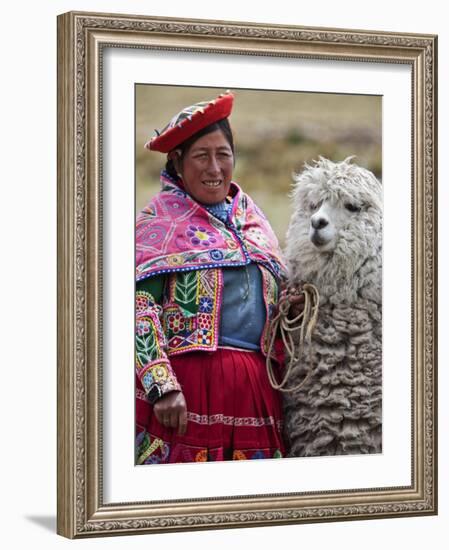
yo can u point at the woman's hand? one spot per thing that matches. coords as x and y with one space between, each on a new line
171 411
296 299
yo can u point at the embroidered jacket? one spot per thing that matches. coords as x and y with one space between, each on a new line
180 250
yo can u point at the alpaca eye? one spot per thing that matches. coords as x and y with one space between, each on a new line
352 207
314 206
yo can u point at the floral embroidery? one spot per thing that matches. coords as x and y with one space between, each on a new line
176 322
145 304
191 306
142 301
216 254
196 297
177 205
206 304
255 234
200 235
174 224
232 245
175 259
147 380
147 347
151 234
204 321
205 337
143 326
160 373
153 450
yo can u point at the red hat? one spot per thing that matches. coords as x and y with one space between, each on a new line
191 120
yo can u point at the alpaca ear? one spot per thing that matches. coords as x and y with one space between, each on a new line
297 177
375 178
349 159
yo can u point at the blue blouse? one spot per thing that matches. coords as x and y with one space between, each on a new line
243 311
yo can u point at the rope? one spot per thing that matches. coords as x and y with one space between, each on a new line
304 323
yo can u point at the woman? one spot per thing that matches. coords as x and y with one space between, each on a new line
208 275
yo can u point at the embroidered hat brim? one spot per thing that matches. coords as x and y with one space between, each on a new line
191 120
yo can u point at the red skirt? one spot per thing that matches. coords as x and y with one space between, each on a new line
233 413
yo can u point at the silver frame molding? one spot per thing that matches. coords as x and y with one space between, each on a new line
81 39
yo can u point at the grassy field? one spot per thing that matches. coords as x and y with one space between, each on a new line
275 133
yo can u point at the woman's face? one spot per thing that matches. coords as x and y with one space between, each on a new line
206 168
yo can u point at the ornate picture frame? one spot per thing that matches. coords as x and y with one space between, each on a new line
83 39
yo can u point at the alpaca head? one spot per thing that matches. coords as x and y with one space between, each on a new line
337 220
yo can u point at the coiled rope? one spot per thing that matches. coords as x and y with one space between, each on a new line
304 323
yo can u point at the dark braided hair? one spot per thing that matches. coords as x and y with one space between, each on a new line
222 125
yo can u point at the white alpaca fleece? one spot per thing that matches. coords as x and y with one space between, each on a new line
335 242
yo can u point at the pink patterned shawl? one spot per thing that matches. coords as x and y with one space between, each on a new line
175 233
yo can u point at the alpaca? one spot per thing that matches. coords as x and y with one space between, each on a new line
334 241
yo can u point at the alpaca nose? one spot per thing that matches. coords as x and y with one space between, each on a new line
319 223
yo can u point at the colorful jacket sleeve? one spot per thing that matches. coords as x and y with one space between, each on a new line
152 364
